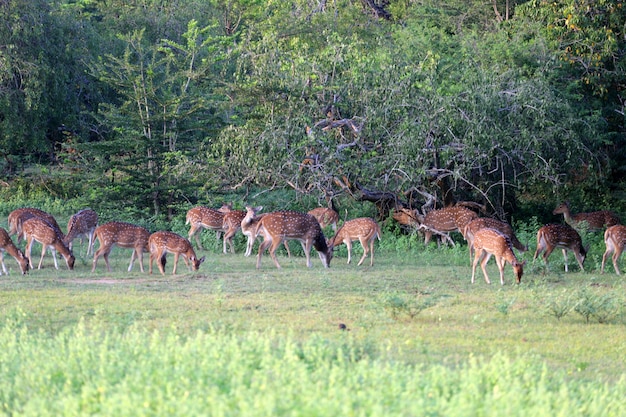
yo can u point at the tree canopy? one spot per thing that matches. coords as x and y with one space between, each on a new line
151 103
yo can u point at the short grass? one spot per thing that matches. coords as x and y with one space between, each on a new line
416 306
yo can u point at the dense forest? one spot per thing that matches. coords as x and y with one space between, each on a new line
155 104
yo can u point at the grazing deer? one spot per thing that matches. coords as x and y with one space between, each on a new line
124 235
7 245
161 243
204 217
18 216
249 228
615 239
562 236
81 224
365 229
43 232
489 242
280 226
448 219
232 223
475 225
325 217
596 220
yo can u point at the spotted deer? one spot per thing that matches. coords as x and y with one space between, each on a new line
249 228
489 242
614 239
279 226
163 242
18 216
448 219
82 224
7 245
363 229
325 217
475 225
595 220
201 217
124 235
552 236
38 229
232 223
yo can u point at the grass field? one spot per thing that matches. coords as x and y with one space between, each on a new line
558 340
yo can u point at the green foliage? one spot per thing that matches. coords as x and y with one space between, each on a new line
401 305
602 307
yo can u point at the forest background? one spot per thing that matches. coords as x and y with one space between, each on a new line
149 106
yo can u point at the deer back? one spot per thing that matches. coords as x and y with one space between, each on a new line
81 223
17 217
171 242
494 242
595 220
615 236
290 225
125 235
487 222
449 219
210 217
325 216
354 229
560 236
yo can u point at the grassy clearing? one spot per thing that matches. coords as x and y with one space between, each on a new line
549 345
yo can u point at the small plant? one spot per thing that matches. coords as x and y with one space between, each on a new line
602 307
559 305
504 305
399 305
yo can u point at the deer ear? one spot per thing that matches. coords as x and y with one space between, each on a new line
201 259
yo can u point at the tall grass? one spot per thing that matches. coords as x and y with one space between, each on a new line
98 371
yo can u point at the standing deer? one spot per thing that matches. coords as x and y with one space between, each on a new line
43 232
249 229
81 224
280 226
596 220
7 245
562 236
325 217
363 229
448 219
204 217
124 235
614 239
18 216
161 243
232 223
475 225
489 242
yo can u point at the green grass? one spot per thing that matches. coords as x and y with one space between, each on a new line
420 339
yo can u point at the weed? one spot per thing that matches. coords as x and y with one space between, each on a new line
559 304
402 304
601 307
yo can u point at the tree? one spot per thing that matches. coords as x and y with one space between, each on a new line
153 132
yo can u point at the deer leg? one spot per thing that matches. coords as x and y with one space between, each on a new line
609 250
348 243
193 232
4 268
372 250
176 255
365 250
616 256
501 262
565 258
264 245
307 252
272 251
477 256
483 266
29 247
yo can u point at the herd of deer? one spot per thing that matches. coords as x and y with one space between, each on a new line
277 227
486 237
